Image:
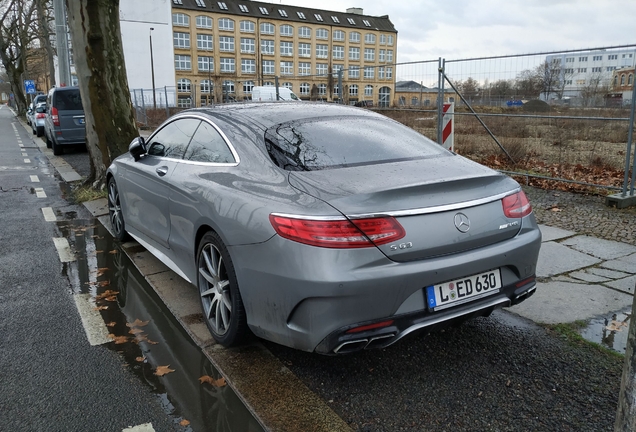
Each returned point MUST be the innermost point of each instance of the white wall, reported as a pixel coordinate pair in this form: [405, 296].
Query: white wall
[136, 18]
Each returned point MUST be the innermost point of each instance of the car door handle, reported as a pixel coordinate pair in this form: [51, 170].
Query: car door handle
[162, 171]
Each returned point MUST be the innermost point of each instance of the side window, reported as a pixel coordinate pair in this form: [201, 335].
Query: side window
[208, 146]
[172, 140]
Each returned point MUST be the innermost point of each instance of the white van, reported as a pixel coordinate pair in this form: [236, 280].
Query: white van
[268, 93]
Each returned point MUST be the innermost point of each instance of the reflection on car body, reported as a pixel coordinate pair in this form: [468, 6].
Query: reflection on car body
[323, 227]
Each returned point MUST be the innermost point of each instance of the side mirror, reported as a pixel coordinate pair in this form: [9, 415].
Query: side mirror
[137, 148]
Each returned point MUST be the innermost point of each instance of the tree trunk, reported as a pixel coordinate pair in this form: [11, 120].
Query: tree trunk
[626, 412]
[45, 38]
[101, 71]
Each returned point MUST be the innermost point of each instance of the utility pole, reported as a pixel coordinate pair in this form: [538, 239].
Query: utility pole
[626, 412]
[61, 36]
[152, 71]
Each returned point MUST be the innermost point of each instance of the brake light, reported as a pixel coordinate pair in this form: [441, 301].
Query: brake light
[370, 327]
[516, 205]
[40, 115]
[340, 233]
[54, 117]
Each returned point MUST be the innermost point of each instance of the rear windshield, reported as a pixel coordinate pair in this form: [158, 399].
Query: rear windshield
[68, 100]
[335, 142]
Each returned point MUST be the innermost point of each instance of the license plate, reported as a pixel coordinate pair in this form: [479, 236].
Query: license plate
[463, 290]
[81, 121]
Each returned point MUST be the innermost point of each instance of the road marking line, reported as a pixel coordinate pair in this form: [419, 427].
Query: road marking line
[21, 145]
[63, 249]
[39, 192]
[27, 161]
[35, 179]
[24, 154]
[49, 215]
[146, 427]
[94, 326]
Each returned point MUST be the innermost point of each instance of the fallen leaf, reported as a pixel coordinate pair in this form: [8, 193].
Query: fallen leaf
[101, 271]
[107, 293]
[118, 339]
[206, 379]
[162, 370]
[140, 359]
[135, 331]
[98, 308]
[184, 422]
[137, 323]
[616, 325]
[103, 283]
[113, 252]
[99, 251]
[111, 324]
[555, 209]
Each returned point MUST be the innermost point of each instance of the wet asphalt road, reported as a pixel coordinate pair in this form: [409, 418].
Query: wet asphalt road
[500, 373]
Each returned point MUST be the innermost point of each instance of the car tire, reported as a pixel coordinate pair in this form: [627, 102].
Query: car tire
[48, 141]
[57, 149]
[115, 214]
[223, 309]
[33, 130]
[38, 132]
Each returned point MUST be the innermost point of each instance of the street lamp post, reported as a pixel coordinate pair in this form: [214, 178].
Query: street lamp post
[152, 70]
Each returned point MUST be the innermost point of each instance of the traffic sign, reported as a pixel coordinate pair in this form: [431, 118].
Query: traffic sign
[29, 85]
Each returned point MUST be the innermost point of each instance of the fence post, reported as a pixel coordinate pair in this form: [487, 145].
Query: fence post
[440, 100]
[630, 137]
[341, 101]
[276, 84]
[165, 89]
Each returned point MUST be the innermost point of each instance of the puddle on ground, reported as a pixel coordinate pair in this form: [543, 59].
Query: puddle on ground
[147, 335]
[610, 331]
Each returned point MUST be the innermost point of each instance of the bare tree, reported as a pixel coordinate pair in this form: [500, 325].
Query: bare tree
[101, 71]
[528, 85]
[594, 89]
[549, 74]
[44, 15]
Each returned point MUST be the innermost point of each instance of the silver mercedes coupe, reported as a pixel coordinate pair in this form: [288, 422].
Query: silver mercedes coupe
[323, 227]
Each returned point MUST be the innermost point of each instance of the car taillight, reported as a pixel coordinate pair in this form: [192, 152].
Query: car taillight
[40, 115]
[54, 117]
[516, 205]
[341, 233]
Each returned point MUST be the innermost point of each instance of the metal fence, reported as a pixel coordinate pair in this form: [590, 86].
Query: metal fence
[552, 116]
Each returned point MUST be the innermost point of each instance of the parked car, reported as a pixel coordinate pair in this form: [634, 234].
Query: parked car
[31, 108]
[64, 122]
[323, 227]
[37, 119]
[268, 93]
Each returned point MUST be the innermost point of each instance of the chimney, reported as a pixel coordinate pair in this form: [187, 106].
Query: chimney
[355, 11]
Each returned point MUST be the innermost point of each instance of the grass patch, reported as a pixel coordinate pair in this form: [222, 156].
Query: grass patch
[87, 193]
[570, 332]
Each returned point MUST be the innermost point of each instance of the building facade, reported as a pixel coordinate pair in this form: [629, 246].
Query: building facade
[415, 95]
[222, 49]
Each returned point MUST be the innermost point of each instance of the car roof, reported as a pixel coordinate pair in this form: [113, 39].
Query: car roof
[272, 113]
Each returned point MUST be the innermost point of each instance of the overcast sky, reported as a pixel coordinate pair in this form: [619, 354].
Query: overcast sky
[428, 29]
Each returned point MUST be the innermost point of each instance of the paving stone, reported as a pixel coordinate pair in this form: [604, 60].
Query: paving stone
[619, 265]
[629, 259]
[555, 259]
[97, 207]
[604, 249]
[549, 233]
[626, 284]
[566, 279]
[588, 277]
[608, 274]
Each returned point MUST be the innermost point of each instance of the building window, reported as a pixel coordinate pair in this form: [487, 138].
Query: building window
[612, 57]
[335, 69]
[568, 82]
[263, 10]
[267, 46]
[248, 86]
[248, 66]
[267, 28]
[184, 85]
[268, 67]
[304, 50]
[569, 59]
[610, 68]
[581, 70]
[354, 37]
[582, 59]
[354, 72]
[384, 97]
[322, 33]
[228, 86]
[204, 22]
[304, 32]
[623, 79]
[226, 24]
[369, 72]
[304, 88]
[268, 84]
[226, 43]
[205, 42]
[414, 100]
[318, 17]
[322, 51]
[244, 8]
[597, 58]
[286, 30]
[597, 69]
[181, 40]
[369, 54]
[353, 90]
[568, 71]
[282, 12]
[381, 56]
[184, 102]
[338, 35]
[205, 63]
[369, 38]
[381, 72]
[335, 19]
[177, 2]
[382, 39]
[321, 69]
[182, 62]
[228, 65]
[354, 53]
[286, 68]
[301, 15]
[338, 52]
[389, 73]
[389, 56]
[615, 81]
[322, 89]
[368, 90]
[222, 5]
[630, 79]
[288, 85]
[351, 21]
[180, 19]
[389, 40]
[206, 87]
[304, 68]
[200, 3]
[248, 45]
[286, 48]
[247, 26]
